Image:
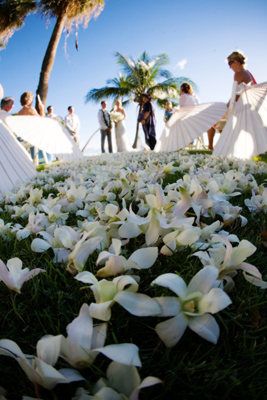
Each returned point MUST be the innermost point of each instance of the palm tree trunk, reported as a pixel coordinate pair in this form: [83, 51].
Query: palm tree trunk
[137, 129]
[49, 59]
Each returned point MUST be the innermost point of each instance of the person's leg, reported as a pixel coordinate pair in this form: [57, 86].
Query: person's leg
[76, 139]
[211, 133]
[103, 136]
[109, 142]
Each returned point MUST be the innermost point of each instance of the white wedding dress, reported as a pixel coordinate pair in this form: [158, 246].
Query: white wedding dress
[245, 133]
[121, 137]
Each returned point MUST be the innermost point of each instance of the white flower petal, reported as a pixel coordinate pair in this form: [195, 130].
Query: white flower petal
[204, 280]
[39, 245]
[124, 353]
[145, 258]
[137, 304]
[171, 331]
[214, 301]
[206, 327]
[173, 282]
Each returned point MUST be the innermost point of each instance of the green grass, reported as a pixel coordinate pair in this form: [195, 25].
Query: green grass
[235, 368]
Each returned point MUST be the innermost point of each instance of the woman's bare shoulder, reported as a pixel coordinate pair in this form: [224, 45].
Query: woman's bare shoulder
[28, 111]
[242, 76]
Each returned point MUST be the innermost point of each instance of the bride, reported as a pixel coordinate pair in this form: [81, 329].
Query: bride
[120, 130]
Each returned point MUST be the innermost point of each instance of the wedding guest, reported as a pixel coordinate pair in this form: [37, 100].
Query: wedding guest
[105, 126]
[148, 120]
[169, 111]
[72, 123]
[188, 97]
[7, 104]
[50, 114]
[26, 100]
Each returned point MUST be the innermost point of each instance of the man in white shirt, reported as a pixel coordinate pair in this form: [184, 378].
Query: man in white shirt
[105, 126]
[7, 104]
[72, 123]
[50, 114]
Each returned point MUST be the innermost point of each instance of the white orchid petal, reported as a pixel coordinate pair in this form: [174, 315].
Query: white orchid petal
[80, 332]
[137, 304]
[169, 306]
[206, 327]
[101, 311]
[48, 349]
[214, 301]
[148, 381]
[87, 277]
[173, 282]
[171, 331]
[129, 230]
[255, 281]
[145, 258]
[124, 378]
[204, 280]
[99, 335]
[39, 245]
[71, 375]
[124, 353]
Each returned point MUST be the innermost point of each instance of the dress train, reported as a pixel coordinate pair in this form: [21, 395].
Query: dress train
[245, 133]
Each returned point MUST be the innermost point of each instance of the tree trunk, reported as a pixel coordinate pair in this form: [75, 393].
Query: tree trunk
[49, 59]
[137, 129]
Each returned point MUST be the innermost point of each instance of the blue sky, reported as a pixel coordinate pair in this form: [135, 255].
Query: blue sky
[201, 32]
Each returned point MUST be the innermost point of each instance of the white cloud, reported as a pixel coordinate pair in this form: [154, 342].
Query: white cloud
[181, 64]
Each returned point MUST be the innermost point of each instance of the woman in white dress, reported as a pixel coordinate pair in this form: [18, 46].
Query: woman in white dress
[120, 130]
[237, 63]
[245, 133]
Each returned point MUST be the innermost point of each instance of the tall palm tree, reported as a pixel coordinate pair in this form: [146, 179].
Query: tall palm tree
[12, 15]
[143, 75]
[67, 14]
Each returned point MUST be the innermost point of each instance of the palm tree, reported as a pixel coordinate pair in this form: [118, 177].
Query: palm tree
[67, 14]
[12, 15]
[141, 76]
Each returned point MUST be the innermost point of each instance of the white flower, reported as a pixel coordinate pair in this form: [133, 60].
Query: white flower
[121, 290]
[84, 343]
[116, 264]
[228, 260]
[14, 276]
[38, 371]
[122, 383]
[192, 307]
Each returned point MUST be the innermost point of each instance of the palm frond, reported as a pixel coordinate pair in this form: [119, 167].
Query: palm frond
[127, 64]
[97, 95]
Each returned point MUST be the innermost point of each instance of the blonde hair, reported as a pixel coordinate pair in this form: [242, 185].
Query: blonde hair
[187, 88]
[26, 97]
[237, 56]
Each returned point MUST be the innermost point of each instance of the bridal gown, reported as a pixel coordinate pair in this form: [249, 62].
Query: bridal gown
[121, 137]
[245, 133]
[187, 124]
[15, 163]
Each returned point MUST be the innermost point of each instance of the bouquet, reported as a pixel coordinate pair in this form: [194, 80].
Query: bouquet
[116, 116]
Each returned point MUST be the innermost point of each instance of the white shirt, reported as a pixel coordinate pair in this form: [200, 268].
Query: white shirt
[101, 120]
[3, 115]
[54, 116]
[72, 123]
[187, 100]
